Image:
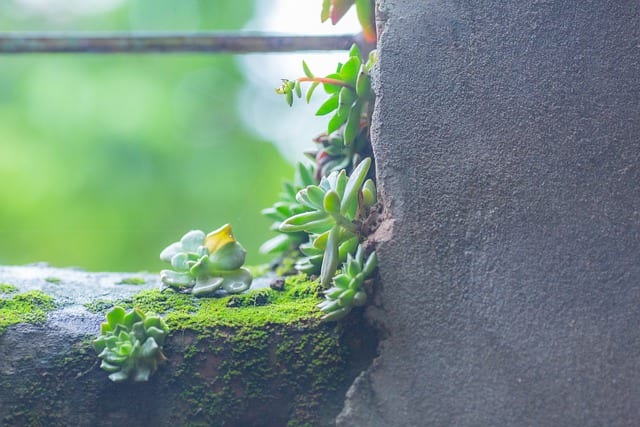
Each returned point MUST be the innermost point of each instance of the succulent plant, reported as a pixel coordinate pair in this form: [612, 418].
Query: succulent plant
[349, 90]
[130, 344]
[331, 153]
[206, 264]
[334, 205]
[284, 208]
[348, 291]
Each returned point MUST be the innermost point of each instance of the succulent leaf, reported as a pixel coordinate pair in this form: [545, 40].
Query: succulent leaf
[201, 267]
[133, 349]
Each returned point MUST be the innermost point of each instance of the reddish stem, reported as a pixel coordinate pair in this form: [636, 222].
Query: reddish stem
[325, 80]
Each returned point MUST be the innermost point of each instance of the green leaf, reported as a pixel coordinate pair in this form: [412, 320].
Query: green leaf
[307, 71]
[360, 298]
[341, 183]
[346, 97]
[335, 123]
[353, 185]
[315, 195]
[332, 202]
[316, 227]
[310, 91]
[355, 51]
[134, 316]
[346, 298]
[336, 314]
[370, 265]
[115, 316]
[342, 281]
[349, 71]
[363, 83]
[306, 174]
[328, 106]
[331, 88]
[369, 194]
[280, 243]
[298, 89]
[288, 96]
[352, 127]
[192, 240]
[330, 259]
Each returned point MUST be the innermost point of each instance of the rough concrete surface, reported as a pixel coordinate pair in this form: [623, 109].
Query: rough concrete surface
[507, 140]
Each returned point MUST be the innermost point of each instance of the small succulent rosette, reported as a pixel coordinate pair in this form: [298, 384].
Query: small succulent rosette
[206, 265]
[348, 286]
[130, 344]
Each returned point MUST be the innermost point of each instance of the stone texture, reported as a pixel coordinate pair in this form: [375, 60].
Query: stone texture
[507, 140]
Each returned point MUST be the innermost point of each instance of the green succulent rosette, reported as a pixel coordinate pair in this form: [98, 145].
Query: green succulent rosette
[348, 290]
[130, 344]
[206, 264]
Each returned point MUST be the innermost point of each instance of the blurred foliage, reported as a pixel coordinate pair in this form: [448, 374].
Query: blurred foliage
[105, 159]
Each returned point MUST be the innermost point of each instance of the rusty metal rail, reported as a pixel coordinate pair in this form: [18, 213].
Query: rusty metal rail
[106, 43]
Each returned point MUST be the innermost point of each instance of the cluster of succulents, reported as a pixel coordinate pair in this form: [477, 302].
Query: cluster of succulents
[348, 290]
[206, 264]
[333, 205]
[130, 344]
[330, 212]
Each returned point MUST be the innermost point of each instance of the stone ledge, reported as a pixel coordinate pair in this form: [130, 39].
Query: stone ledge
[266, 363]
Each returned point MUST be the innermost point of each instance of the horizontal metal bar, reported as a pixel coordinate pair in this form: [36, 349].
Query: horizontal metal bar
[240, 42]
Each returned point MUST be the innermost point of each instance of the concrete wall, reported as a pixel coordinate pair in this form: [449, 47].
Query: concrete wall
[507, 139]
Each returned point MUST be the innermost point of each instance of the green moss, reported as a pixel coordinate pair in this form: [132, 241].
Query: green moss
[54, 280]
[27, 307]
[227, 366]
[132, 281]
[255, 308]
[7, 289]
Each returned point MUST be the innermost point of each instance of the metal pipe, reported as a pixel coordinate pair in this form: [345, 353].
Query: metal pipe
[104, 43]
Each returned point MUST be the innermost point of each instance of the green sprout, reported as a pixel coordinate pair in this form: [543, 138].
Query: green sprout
[206, 264]
[130, 344]
[286, 207]
[335, 205]
[348, 290]
[349, 90]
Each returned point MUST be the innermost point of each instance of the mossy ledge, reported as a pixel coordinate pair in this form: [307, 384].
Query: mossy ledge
[257, 359]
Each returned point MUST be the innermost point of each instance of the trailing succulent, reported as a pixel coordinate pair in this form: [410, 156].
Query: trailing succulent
[130, 344]
[206, 264]
[349, 90]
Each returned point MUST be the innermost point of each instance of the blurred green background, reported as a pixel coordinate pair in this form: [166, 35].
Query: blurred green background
[105, 160]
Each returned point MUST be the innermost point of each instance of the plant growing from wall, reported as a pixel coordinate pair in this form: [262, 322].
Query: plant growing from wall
[130, 344]
[206, 264]
[332, 210]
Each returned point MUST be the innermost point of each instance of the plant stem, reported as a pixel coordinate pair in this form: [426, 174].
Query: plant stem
[325, 80]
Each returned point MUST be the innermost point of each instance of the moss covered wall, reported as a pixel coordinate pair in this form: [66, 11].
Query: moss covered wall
[257, 359]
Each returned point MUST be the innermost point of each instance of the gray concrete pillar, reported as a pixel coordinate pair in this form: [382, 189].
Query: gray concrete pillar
[507, 139]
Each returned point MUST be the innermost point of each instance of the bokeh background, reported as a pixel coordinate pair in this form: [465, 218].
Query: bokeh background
[104, 160]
